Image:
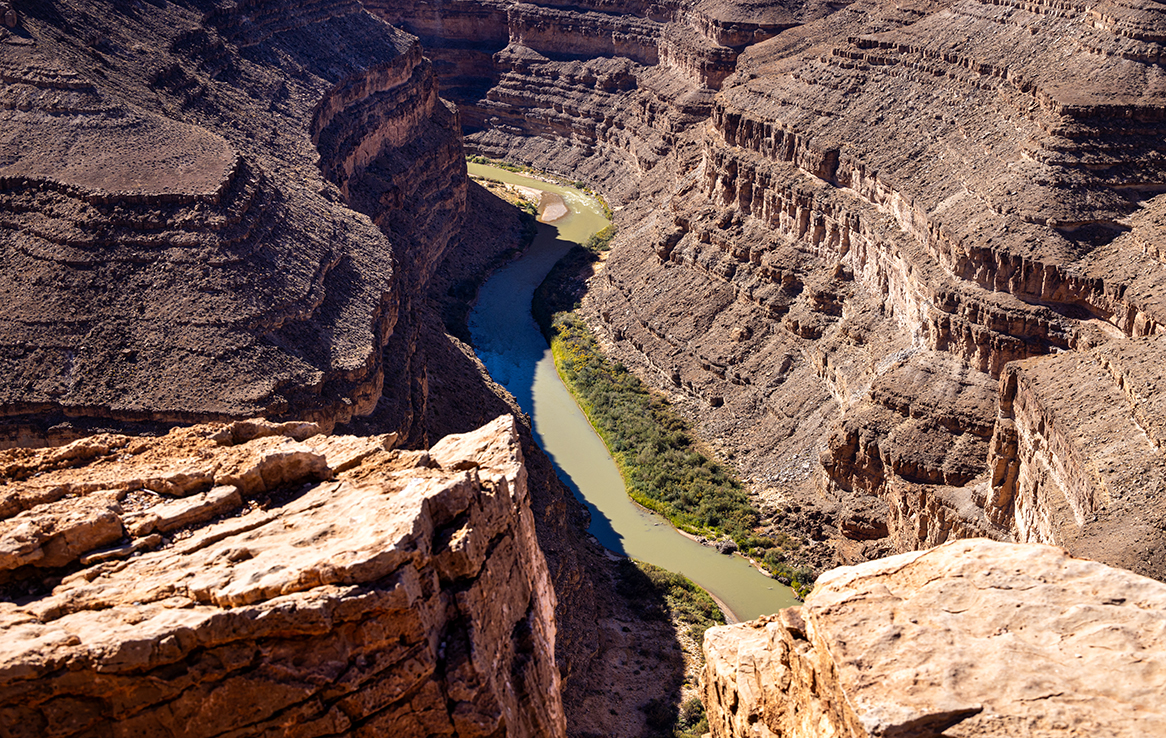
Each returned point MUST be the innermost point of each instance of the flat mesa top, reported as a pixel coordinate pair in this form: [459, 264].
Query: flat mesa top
[117, 155]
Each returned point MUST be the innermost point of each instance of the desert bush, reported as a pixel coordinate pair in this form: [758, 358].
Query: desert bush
[692, 720]
[600, 240]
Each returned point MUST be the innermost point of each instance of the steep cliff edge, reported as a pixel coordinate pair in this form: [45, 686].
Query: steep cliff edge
[175, 192]
[973, 638]
[264, 577]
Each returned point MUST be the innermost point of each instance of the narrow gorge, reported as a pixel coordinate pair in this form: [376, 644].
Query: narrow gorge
[901, 265]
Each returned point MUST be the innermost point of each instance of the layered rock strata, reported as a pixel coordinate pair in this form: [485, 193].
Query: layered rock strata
[249, 578]
[175, 220]
[1079, 455]
[602, 88]
[973, 638]
[294, 240]
[890, 204]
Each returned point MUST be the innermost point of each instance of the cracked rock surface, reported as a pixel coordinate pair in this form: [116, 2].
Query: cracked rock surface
[260, 584]
[973, 638]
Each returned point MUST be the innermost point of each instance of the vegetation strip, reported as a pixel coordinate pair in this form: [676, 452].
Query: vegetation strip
[664, 467]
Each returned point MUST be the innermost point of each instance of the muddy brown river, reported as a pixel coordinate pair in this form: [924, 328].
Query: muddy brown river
[512, 348]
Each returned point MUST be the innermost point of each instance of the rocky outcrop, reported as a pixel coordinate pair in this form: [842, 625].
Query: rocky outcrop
[973, 638]
[176, 194]
[1078, 458]
[255, 577]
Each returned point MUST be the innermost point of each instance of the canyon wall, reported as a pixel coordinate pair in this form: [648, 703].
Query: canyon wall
[214, 210]
[890, 204]
[973, 638]
[598, 89]
[175, 191]
[1077, 460]
[903, 265]
[249, 578]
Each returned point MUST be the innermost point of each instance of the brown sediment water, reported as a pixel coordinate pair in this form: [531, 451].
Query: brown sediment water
[509, 343]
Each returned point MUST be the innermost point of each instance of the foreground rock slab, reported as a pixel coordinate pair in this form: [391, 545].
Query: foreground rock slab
[973, 638]
[259, 579]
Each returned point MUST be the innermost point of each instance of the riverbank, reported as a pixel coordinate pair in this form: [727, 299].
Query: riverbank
[510, 344]
[546, 206]
[664, 467]
[551, 207]
[545, 177]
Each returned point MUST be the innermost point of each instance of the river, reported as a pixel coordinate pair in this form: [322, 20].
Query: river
[508, 342]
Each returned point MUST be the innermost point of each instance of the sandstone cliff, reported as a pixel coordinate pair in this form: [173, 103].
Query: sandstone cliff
[1077, 459]
[253, 578]
[973, 638]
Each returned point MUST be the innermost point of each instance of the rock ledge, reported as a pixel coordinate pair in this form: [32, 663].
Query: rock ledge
[258, 579]
[973, 638]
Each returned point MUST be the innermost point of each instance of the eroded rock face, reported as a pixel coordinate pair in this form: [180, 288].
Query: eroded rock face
[292, 582]
[890, 204]
[1078, 458]
[974, 638]
[597, 88]
[177, 223]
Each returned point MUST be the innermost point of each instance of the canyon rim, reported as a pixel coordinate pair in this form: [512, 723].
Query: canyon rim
[902, 265]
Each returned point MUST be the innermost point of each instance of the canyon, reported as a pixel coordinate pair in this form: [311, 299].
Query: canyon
[834, 243]
[216, 211]
[901, 264]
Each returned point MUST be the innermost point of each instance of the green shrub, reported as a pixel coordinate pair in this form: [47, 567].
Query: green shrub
[601, 240]
[652, 590]
[692, 720]
[662, 466]
[774, 558]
